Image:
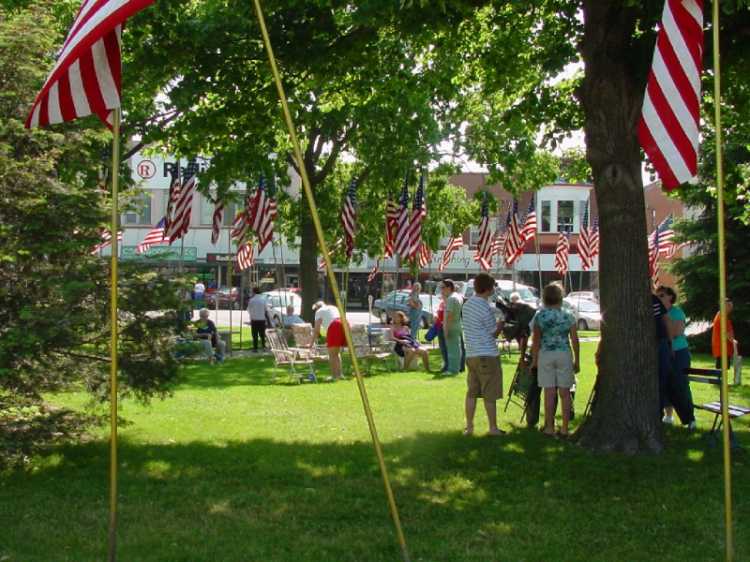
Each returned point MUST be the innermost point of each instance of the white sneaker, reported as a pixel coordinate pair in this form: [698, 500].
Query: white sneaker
[669, 420]
[692, 426]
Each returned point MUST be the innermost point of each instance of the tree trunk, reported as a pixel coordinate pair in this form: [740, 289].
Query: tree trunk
[308, 262]
[626, 414]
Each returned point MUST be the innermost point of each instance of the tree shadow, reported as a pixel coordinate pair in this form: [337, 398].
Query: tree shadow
[519, 497]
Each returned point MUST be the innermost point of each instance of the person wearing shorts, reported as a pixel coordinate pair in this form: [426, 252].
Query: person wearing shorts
[554, 330]
[485, 377]
[327, 318]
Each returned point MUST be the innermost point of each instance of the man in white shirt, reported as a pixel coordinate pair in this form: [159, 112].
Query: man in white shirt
[327, 318]
[485, 377]
[258, 309]
[199, 291]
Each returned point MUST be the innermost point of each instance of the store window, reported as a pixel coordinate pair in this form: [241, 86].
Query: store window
[140, 213]
[207, 212]
[565, 214]
[546, 216]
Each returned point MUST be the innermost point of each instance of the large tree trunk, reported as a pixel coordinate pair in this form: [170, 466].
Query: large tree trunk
[308, 263]
[626, 415]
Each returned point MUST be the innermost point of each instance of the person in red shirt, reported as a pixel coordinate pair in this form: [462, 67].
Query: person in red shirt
[716, 336]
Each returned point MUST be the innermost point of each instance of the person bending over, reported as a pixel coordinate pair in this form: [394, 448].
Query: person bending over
[327, 318]
[554, 330]
[407, 345]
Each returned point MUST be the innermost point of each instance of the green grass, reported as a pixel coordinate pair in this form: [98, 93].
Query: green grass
[235, 467]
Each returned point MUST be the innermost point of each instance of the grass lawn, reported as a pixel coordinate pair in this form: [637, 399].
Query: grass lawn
[236, 467]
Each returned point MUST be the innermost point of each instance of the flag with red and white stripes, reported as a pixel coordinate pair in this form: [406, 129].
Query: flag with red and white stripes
[594, 237]
[156, 236]
[392, 212]
[425, 255]
[454, 244]
[514, 241]
[483, 253]
[245, 256]
[374, 272]
[669, 126]
[217, 219]
[562, 251]
[663, 238]
[106, 241]
[179, 222]
[418, 213]
[498, 243]
[349, 217]
[172, 198]
[86, 78]
[402, 240]
[528, 232]
[585, 250]
[262, 215]
[241, 224]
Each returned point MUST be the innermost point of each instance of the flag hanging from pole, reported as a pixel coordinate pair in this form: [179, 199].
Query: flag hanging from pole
[349, 217]
[419, 211]
[498, 244]
[245, 256]
[425, 255]
[392, 212]
[663, 238]
[241, 223]
[156, 236]
[402, 241]
[374, 272]
[179, 224]
[106, 241]
[562, 251]
[514, 241]
[669, 126]
[217, 219]
[483, 254]
[86, 77]
[262, 214]
[528, 232]
[594, 237]
[585, 250]
[454, 244]
[173, 197]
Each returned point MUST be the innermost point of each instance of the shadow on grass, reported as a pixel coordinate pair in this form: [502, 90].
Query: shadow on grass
[519, 497]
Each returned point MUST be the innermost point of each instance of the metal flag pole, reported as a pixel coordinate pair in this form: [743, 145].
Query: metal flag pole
[113, 339]
[334, 286]
[728, 523]
[230, 279]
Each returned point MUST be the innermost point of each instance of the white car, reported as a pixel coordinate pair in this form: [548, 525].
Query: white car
[587, 313]
[279, 300]
[583, 295]
[503, 288]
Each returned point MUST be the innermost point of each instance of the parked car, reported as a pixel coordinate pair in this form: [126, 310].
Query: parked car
[587, 313]
[503, 288]
[278, 301]
[384, 307]
[585, 295]
[228, 298]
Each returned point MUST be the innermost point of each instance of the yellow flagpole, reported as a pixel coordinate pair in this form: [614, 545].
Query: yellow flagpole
[332, 279]
[728, 523]
[113, 341]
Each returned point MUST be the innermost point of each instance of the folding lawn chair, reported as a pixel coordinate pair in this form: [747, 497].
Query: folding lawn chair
[524, 391]
[290, 357]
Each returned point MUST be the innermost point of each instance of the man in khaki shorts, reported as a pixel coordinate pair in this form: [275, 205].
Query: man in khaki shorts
[485, 378]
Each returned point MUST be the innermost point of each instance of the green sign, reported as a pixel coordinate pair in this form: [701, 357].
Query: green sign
[161, 253]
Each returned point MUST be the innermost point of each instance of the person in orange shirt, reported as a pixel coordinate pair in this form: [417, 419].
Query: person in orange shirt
[716, 336]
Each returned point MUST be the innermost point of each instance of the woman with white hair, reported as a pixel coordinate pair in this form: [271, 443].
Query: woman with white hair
[327, 318]
[415, 309]
[206, 333]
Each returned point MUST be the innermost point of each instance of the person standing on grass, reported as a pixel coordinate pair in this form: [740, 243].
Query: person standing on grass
[258, 309]
[327, 318]
[716, 335]
[554, 331]
[452, 327]
[415, 310]
[485, 377]
[679, 385]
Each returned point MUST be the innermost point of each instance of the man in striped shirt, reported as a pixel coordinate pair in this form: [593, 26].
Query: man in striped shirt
[485, 378]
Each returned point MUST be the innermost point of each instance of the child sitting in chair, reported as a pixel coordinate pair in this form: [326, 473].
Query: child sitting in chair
[407, 346]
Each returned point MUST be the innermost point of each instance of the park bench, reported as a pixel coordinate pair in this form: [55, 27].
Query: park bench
[290, 357]
[713, 377]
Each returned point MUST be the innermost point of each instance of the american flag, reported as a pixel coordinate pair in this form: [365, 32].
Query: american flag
[245, 256]
[454, 244]
[216, 221]
[594, 237]
[349, 217]
[528, 232]
[653, 259]
[514, 241]
[106, 241]
[483, 254]
[669, 125]
[391, 224]
[155, 236]
[584, 241]
[418, 213]
[374, 272]
[498, 244]
[241, 223]
[402, 240]
[174, 196]
[425, 255]
[662, 238]
[179, 223]
[561, 253]
[86, 77]
[263, 214]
